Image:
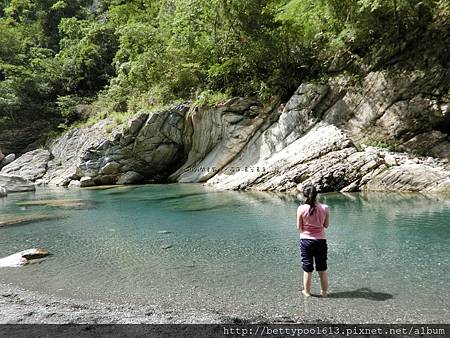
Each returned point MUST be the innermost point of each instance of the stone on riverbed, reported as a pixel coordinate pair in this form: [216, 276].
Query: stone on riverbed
[17, 219]
[15, 184]
[23, 257]
[56, 203]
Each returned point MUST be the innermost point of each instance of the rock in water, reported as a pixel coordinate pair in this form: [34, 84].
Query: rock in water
[15, 184]
[86, 182]
[74, 183]
[23, 257]
[130, 177]
[3, 192]
[17, 219]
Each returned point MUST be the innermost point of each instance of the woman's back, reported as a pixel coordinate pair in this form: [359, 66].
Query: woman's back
[314, 224]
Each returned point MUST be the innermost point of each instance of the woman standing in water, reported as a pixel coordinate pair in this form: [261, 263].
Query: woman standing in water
[312, 220]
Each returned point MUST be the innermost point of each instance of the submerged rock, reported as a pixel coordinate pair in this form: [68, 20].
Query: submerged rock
[23, 257]
[18, 219]
[56, 203]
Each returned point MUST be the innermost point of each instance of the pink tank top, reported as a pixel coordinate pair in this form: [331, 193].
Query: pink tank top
[314, 225]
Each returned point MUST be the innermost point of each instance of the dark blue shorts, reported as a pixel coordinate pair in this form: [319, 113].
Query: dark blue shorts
[313, 251]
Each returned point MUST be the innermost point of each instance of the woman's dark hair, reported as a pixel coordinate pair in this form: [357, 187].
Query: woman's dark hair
[310, 193]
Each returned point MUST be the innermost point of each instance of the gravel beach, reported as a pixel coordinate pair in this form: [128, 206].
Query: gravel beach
[18, 306]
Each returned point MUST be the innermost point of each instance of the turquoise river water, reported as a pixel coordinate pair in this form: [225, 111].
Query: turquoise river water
[186, 246]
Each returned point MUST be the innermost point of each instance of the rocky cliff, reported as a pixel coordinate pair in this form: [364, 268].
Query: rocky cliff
[385, 131]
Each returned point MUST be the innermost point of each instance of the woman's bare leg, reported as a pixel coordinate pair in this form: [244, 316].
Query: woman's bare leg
[323, 283]
[307, 277]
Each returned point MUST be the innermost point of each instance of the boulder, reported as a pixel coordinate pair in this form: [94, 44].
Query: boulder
[30, 166]
[8, 159]
[3, 192]
[130, 177]
[110, 168]
[86, 182]
[23, 257]
[74, 184]
[15, 184]
[105, 180]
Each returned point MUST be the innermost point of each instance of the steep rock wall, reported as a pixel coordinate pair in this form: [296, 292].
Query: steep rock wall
[324, 135]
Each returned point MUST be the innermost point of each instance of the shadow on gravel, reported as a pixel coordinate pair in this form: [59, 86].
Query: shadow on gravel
[365, 293]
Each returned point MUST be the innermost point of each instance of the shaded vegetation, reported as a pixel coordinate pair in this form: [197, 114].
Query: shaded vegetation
[67, 60]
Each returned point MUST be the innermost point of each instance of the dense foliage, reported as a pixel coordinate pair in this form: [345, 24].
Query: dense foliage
[66, 59]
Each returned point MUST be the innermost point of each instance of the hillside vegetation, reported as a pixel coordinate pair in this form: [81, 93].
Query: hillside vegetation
[66, 61]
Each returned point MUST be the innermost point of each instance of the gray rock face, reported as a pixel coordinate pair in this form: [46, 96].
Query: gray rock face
[215, 136]
[322, 136]
[15, 184]
[387, 108]
[408, 177]
[30, 166]
[150, 145]
[406, 109]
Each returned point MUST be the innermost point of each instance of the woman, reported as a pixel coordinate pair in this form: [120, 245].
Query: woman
[312, 220]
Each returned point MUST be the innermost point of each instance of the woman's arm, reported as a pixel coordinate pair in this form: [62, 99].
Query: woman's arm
[326, 223]
[299, 219]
